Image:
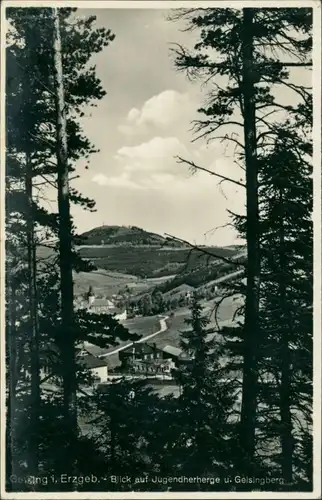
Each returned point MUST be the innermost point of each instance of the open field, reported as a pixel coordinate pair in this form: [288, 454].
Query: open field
[177, 323]
[107, 283]
[104, 283]
[147, 325]
[226, 309]
[142, 326]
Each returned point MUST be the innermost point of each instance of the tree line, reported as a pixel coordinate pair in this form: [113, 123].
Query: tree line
[245, 401]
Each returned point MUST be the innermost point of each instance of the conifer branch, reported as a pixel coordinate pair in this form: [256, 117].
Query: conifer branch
[205, 251]
[195, 167]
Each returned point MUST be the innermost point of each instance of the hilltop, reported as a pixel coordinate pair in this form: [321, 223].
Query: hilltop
[134, 251]
[124, 235]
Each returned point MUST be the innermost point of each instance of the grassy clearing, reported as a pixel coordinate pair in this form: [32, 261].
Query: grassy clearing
[143, 326]
[105, 283]
[177, 323]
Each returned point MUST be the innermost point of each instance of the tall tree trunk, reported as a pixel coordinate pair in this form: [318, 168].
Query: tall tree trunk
[285, 359]
[251, 328]
[34, 338]
[67, 334]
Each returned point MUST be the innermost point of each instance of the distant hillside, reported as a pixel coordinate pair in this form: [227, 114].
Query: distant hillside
[124, 235]
[138, 256]
[199, 276]
[154, 262]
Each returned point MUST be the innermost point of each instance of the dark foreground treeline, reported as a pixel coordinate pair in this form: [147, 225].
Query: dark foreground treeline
[245, 401]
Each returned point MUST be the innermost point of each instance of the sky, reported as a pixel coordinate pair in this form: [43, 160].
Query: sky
[142, 123]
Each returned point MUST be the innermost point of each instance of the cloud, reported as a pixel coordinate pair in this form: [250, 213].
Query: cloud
[157, 148]
[134, 115]
[155, 155]
[125, 129]
[161, 111]
[123, 181]
[149, 165]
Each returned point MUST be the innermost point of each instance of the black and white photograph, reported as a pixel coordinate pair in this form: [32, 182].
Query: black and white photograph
[160, 249]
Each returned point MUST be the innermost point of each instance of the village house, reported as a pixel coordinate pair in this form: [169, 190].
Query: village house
[146, 351]
[104, 306]
[139, 351]
[144, 358]
[177, 355]
[171, 352]
[101, 306]
[153, 366]
[98, 367]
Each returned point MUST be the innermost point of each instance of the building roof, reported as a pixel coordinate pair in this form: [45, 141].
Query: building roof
[92, 362]
[94, 350]
[174, 351]
[97, 302]
[109, 310]
[112, 310]
[154, 347]
[113, 361]
[141, 347]
[104, 302]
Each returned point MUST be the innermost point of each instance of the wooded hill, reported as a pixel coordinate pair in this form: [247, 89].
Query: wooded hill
[124, 235]
[127, 250]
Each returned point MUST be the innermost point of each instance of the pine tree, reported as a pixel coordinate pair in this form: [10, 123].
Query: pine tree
[123, 419]
[206, 400]
[252, 325]
[19, 153]
[67, 342]
[158, 305]
[145, 305]
[287, 299]
[35, 121]
[224, 51]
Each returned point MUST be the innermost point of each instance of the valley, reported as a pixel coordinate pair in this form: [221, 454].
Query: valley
[130, 276]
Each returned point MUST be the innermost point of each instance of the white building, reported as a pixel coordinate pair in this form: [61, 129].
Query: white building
[101, 306]
[98, 367]
[122, 316]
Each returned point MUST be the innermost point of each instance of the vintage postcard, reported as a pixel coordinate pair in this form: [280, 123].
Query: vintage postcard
[161, 249]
